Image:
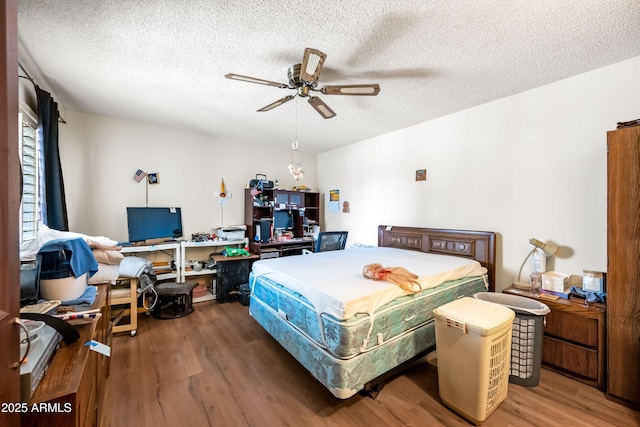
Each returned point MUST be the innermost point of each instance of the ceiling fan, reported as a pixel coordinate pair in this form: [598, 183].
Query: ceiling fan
[304, 79]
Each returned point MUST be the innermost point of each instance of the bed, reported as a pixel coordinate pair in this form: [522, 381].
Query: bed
[351, 333]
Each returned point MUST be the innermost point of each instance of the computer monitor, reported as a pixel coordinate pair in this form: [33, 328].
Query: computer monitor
[282, 220]
[154, 223]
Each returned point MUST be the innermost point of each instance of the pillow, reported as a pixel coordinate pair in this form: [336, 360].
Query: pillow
[107, 273]
[105, 256]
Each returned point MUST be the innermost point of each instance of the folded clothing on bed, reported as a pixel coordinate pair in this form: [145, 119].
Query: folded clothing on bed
[108, 256]
[140, 268]
[107, 273]
[133, 266]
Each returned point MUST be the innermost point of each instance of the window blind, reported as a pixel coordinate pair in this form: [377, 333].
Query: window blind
[29, 159]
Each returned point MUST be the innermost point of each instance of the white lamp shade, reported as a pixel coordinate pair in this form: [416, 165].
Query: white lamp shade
[550, 249]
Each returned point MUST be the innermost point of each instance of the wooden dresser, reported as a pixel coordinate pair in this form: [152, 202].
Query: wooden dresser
[574, 341]
[71, 392]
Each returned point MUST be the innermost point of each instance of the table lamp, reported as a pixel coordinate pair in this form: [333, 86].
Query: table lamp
[548, 248]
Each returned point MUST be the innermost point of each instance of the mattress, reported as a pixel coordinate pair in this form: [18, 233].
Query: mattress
[333, 281]
[348, 330]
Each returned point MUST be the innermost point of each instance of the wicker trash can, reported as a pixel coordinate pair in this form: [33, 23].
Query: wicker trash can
[526, 342]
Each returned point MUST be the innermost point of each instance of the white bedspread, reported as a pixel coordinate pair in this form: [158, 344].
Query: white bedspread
[333, 281]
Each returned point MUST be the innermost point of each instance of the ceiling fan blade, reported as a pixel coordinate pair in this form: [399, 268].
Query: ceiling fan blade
[361, 90]
[321, 107]
[255, 80]
[311, 64]
[278, 103]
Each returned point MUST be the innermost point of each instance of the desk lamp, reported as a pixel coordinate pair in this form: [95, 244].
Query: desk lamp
[548, 248]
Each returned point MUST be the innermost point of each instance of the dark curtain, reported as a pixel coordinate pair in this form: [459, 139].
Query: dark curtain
[54, 203]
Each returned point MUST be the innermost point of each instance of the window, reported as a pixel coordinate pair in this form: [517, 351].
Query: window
[30, 151]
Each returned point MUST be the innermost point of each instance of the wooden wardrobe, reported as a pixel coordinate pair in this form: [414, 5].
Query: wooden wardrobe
[623, 271]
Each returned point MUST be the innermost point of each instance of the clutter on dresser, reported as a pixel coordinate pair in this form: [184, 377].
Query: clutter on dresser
[628, 124]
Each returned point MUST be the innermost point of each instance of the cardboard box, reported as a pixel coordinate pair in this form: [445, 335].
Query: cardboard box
[554, 281]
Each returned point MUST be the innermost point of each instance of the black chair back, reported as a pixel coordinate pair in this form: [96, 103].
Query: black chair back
[331, 241]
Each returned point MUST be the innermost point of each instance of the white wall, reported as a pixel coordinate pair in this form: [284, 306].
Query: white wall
[101, 154]
[530, 165]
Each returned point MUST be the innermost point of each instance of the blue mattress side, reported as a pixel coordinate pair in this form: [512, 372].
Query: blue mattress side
[347, 338]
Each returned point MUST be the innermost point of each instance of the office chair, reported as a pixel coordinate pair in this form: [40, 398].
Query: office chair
[331, 241]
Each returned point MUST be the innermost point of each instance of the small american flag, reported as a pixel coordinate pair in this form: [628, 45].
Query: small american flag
[139, 175]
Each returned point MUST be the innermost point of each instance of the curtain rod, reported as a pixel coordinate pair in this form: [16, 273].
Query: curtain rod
[28, 77]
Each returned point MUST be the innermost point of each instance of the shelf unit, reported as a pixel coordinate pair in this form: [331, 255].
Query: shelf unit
[262, 212]
[201, 251]
[282, 248]
[163, 252]
[192, 248]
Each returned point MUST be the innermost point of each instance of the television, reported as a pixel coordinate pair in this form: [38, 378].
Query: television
[154, 223]
[282, 220]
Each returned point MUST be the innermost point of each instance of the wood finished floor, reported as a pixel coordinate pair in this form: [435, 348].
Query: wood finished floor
[218, 367]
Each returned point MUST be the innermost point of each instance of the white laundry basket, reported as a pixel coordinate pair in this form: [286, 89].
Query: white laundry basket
[473, 343]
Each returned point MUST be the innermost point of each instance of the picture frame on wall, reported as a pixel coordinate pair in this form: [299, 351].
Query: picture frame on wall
[421, 175]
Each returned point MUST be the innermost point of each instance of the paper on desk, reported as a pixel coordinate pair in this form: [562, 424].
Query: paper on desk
[99, 347]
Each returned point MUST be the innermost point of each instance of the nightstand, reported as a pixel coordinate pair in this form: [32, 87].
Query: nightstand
[574, 338]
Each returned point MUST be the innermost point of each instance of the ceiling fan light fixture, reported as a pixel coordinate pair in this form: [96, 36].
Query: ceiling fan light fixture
[312, 64]
[295, 165]
[321, 107]
[303, 78]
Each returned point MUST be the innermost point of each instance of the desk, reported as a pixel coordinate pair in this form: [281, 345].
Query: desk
[282, 248]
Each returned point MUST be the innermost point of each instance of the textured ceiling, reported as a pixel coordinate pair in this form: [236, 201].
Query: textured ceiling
[164, 61]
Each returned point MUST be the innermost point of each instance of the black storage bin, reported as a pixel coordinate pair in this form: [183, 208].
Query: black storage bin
[231, 274]
[244, 294]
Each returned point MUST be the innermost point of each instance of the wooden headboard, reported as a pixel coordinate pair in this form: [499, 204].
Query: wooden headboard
[478, 245]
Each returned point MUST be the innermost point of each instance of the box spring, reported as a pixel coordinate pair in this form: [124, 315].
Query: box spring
[337, 352]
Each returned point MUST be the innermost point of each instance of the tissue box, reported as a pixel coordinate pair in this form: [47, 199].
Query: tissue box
[554, 281]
